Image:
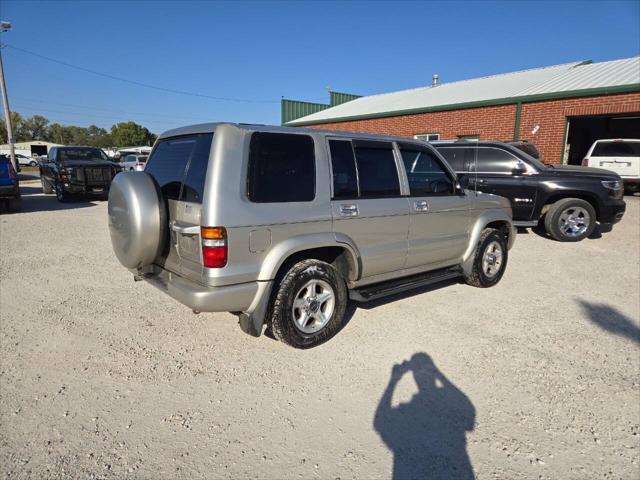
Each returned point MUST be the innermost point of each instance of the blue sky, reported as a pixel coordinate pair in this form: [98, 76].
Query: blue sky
[261, 51]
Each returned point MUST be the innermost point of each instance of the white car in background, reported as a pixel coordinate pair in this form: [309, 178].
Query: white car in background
[25, 161]
[133, 163]
[621, 155]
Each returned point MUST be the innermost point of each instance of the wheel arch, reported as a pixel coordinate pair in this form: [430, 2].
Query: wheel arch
[488, 219]
[587, 197]
[339, 252]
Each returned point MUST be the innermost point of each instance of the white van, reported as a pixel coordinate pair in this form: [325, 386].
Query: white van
[621, 155]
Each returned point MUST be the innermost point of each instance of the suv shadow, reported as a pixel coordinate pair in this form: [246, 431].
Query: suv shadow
[33, 200]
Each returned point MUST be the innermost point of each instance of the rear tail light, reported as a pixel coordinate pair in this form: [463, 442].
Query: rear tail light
[214, 246]
[585, 162]
[12, 172]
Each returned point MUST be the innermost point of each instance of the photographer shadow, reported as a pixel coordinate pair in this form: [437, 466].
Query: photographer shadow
[428, 434]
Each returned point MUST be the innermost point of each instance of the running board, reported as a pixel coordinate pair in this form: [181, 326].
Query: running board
[526, 223]
[393, 287]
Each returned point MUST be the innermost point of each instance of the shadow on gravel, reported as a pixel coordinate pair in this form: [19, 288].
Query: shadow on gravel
[611, 320]
[33, 200]
[541, 232]
[428, 434]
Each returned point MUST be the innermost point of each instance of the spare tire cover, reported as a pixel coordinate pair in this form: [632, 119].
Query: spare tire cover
[137, 219]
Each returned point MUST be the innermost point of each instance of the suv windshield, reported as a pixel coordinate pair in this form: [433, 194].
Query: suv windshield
[80, 153]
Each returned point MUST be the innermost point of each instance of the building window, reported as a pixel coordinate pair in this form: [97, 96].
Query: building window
[469, 137]
[428, 137]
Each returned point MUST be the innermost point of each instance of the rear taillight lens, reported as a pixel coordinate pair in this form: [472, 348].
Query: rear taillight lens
[585, 162]
[214, 246]
[12, 172]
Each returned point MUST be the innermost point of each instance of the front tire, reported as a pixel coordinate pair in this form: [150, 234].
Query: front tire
[61, 195]
[570, 220]
[309, 304]
[490, 259]
[46, 186]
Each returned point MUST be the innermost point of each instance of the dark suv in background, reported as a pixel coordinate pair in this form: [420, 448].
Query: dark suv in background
[569, 199]
[71, 171]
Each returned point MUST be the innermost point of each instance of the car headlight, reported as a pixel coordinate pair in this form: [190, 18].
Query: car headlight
[612, 184]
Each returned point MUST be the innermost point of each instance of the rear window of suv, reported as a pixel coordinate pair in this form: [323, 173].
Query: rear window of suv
[282, 168]
[179, 165]
[616, 149]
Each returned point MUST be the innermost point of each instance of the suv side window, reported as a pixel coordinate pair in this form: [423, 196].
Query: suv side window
[426, 174]
[169, 160]
[343, 166]
[495, 160]
[193, 186]
[282, 168]
[377, 171]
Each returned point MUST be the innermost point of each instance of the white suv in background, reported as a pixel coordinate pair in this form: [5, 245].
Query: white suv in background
[620, 155]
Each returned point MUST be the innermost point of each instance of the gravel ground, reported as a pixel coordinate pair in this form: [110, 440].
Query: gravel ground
[102, 377]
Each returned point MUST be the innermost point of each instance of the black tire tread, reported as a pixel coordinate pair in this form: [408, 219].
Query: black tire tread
[278, 315]
[475, 279]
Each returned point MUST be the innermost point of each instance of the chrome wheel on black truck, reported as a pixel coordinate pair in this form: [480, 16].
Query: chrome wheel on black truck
[570, 220]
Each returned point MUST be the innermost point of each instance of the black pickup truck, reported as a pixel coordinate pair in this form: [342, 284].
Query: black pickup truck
[569, 199]
[72, 171]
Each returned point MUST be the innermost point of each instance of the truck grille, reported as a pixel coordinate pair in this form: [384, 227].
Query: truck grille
[97, 175]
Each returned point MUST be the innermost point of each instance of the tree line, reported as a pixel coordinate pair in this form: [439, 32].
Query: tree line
[38, 127]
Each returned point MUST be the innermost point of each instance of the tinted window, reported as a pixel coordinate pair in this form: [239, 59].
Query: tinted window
[494, 160]
[617, 149]
[281, 168]
[377, 170]
[425, 173]
[79, 153]
[343, 165]
[193, 188]
[459, 158]
[169, 160]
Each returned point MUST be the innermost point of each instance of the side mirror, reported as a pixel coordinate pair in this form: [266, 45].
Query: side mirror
[519, 168]
[463, 181]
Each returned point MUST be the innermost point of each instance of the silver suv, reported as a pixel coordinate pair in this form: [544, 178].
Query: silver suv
[283, 226]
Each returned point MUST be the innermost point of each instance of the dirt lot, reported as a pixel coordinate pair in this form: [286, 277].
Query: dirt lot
[102, 377]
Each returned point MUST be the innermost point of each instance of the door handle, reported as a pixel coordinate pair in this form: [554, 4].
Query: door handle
[185, 229]
[421, 206]
[349, 210]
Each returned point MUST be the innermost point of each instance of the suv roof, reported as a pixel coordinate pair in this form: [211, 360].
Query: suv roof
[211, 127]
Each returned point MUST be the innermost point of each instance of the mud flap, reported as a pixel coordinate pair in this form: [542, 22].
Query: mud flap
[251, 322]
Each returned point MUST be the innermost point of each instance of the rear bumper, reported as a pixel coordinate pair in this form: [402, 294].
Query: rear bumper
[9, 191]
[229, 298]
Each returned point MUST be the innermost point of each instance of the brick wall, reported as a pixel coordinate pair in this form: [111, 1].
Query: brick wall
[498, 122]
[551, 116]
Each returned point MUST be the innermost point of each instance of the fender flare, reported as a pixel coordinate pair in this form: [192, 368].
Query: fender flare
[283, 250]
[484, 219]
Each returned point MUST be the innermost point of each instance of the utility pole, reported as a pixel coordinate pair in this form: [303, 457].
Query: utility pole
[5, 27]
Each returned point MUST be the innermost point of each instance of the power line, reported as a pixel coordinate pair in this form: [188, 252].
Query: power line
[123, 112]
[118, 116]
[140, 84]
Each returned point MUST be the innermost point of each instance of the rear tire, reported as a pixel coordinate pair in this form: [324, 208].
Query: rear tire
[33, 163]
[309, 304]
[46, 186]
[570, 220]
[490, 259]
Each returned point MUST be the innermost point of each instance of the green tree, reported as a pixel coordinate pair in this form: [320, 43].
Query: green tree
[98, 137]
[130, 133]
[59, 134]
[17, 123]
[36, 128]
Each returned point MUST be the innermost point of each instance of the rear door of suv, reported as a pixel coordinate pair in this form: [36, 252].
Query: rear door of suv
[367, 204]
[179, 165]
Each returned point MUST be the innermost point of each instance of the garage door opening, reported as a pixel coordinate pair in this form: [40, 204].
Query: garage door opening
[583, 131]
